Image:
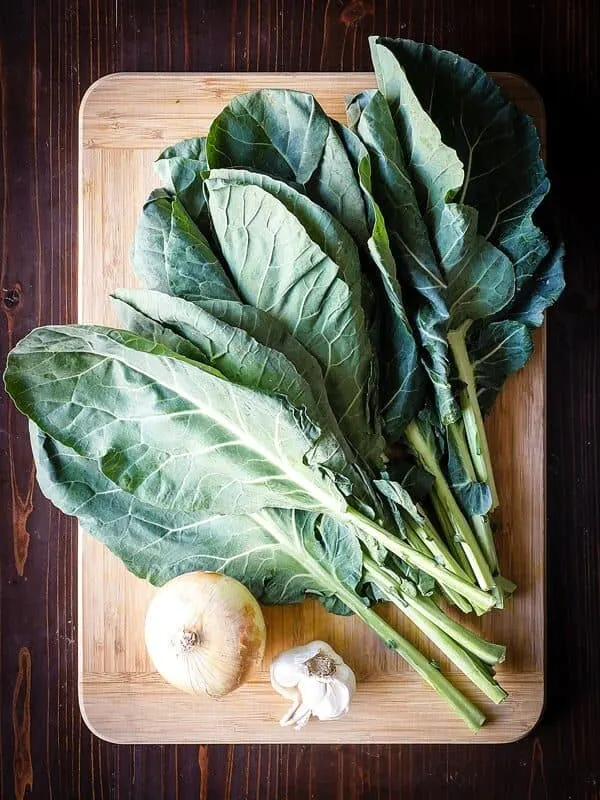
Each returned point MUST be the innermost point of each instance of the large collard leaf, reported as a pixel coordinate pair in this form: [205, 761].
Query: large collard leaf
[275, 131]
[252, 348]
[401, 374]
[334, 186]
[505, 180]
[170, 253]
[505, 177]
[435, 169]
[322, 227]
[371, 118]
[436, 174]
[496, 350]
[287, 135]
[158, 545]
[181, 169]
[474, 279]
[277, 267]
[172, 432]
[170, 257]
[478, 278]
[240, 357]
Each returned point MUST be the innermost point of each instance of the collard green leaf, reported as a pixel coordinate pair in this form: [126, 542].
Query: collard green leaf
[181, 169]
[253, 348]
[240, 357]
[274, 131]
[434, 167]
[401, 375]
[277, 267]
[480, 278]
[505, 177]
[172, 432]
[496, 350]
[158, 545]
[322, 227]
[170, 253]
[287, 135]
[474, 278]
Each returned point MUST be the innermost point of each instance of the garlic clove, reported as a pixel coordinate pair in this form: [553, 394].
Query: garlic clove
[336, 701]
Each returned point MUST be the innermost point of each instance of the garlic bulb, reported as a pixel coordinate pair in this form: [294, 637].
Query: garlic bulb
[317, 681]
[205, 632]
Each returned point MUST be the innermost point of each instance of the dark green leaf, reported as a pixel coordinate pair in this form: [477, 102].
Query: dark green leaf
[173, 432]
[275, 131]
[496, 350]
[505, 177]
[181, 169]
[171, 255]
[401, 374]
[277, 267]
[158, 545]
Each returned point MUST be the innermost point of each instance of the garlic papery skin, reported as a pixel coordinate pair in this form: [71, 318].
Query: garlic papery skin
[316, 679]
[205, 633]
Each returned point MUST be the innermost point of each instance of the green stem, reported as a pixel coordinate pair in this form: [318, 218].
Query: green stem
[472, 668]
[435, 544]
[450, 533]
[461, 527]
[479, 523]
[471, 411]
[466, 710]
[451, 596]
[476, 596]
[488, 652]
[485, 537]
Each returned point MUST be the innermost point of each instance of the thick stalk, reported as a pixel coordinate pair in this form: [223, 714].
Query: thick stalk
[477, 597]
[450, 534]
[479, 523]
[489, 652]
[466, 710]
[473, 669]
[420, 545]
[471, 412]
[434, 544]
[461, 527]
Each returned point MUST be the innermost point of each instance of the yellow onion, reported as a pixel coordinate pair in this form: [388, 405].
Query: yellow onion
[205, 633]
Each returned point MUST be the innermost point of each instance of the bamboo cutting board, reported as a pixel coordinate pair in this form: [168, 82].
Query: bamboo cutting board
[125, 121]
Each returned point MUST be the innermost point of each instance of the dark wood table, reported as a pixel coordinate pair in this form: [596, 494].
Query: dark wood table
[50, 52]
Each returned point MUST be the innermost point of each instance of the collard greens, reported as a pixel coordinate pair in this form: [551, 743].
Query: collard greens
[326, 312]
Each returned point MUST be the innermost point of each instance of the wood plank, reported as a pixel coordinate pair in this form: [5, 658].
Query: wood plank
[125, 120]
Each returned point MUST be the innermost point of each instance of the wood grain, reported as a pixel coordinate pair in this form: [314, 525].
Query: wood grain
[50, 53]
[125, 121]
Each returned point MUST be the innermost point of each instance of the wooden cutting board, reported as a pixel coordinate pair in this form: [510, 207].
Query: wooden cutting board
[125, 121]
